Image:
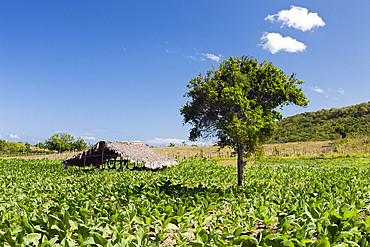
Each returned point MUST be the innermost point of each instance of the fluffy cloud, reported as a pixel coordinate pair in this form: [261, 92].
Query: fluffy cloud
[317, 89]
[274, 42]
[297, 17]
[11, 136]
[341, 91]
[213, 57]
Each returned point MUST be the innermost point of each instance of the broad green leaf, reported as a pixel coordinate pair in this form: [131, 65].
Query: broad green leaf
[98, 239]
[32, 238]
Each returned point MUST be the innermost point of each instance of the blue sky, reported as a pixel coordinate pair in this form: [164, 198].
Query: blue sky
[118, 70]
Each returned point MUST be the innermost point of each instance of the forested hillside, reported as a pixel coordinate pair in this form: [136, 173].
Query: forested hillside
[322, 125]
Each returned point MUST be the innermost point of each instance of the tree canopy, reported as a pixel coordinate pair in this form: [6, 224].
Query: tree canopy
[62, 142]
[322, 125]
[237, 104]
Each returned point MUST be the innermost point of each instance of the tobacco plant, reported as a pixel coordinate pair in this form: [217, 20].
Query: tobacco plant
[192, 204]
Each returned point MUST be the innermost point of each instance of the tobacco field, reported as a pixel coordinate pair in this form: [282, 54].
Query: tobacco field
[193, 204]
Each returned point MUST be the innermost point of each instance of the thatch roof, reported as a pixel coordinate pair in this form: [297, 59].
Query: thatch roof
[124, 150]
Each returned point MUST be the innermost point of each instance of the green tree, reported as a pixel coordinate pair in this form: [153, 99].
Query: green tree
[60, 142]
[3, 144]
[40, 145]
[237, 103]
[28, 147]
[79, 145]
[15, 147]
[342, 130]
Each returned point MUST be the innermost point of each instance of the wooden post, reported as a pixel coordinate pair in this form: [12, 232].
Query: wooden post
[241, 164]
[102, 155]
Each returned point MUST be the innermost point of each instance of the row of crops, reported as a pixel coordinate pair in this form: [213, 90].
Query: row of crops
[192, 204]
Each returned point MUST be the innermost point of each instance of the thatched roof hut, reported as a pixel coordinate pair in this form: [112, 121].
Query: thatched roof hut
[133, 151]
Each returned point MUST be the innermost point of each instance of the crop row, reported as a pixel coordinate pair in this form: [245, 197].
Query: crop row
[193, 204]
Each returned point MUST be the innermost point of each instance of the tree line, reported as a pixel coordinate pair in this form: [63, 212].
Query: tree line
[59, 142]
[323, 125]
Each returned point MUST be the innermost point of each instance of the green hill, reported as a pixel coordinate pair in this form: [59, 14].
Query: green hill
[320, 125]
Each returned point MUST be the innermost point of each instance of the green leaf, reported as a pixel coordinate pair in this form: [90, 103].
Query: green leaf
[322, 241]
[250, 242]
[89, 241]
[46, 244]
[349, 214]
[32, 238]
[180, 211]
[196, 243]
[288, 243]
[352, 243]
[83, 230]
[367, 221]
[26, 224]
[26, 208]
[333, 229]
[8, 239]
[66, 217]
[98, 239]
[238, 231]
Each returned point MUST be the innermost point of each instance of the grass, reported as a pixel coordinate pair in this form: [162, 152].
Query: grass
[344, 148]
[338, 161]
[55, 156]
[354, 147]
[193, 152]
[323, 163]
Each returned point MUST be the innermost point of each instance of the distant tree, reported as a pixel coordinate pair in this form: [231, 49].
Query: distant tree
[15, 147]
[3, 144]
[28, 147]
[60, 142]
[171, 144]
[237, 103]
[40, 145]
[342, 130]
[79, 145]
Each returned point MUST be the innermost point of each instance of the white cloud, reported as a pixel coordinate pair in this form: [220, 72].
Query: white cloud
[317, 89]
[169, 51]
[341, 91]
[177, 142]
[328, 93]
[192, 57]
[204, 56]
[164, 141]
[213, 57]
[274, 42]
[11, 136]
[88, 138]
[297, 17]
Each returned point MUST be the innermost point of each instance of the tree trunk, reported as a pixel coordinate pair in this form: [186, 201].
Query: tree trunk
[241, 164]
